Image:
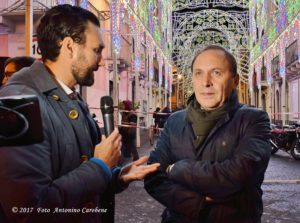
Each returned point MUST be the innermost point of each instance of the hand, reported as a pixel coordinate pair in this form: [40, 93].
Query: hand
[109, 150]
[135, 171]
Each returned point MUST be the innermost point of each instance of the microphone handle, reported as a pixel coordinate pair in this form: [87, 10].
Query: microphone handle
[108, 120]
[108, 200]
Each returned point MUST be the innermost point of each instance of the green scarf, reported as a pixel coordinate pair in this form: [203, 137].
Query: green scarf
[203, 121]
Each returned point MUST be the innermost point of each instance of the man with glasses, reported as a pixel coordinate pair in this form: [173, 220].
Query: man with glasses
[15, 64]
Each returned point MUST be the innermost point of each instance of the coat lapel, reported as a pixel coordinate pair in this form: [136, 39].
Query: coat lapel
[74, 118]
[218, 125]
[70, 113]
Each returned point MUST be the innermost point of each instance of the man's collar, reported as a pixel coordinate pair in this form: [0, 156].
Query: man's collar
[65, 87]
[44, 80]
[41, 77]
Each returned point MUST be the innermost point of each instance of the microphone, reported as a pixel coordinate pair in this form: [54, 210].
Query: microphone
[108, 200]
[107, 109]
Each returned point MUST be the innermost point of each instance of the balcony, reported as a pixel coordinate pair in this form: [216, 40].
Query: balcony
[264, 76]
[292, 62]
[122, 65]
[291, 53]
[13, 11]
[275, 68]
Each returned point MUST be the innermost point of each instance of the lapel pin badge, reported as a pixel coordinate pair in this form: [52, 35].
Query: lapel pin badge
[73, 114]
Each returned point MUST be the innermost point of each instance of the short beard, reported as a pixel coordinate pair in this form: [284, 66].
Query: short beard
[83, 80]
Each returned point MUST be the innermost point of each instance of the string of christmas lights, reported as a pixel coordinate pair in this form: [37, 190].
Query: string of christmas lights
[84, 4]
[160, 65]
[132, 10]
[288, 36]
[115, 13]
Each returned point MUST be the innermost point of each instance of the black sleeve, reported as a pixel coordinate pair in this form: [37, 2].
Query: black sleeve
[174, 196]
[132, 118]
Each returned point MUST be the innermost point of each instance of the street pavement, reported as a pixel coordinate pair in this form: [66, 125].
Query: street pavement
[281, 194]
[282, 190]
[135, 204]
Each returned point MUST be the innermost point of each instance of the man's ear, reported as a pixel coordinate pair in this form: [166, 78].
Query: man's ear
[67, 46]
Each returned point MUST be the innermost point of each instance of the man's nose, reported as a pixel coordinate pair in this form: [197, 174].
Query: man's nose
[206, 80]
[101, 62]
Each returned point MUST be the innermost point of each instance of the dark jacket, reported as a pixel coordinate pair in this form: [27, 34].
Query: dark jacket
[51, 174]
[129, 135]
[228, 167]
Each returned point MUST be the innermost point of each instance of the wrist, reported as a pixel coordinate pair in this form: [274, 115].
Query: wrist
[102, 164]
[106, 161]
[124, 179]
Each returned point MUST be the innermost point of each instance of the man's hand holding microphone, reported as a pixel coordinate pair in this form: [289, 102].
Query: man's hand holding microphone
[109, 150]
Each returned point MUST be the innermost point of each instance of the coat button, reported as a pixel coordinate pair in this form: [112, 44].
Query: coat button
[73, 114]
[55, 97]
[224, 143]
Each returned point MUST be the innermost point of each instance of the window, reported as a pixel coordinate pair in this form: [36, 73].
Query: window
[275, 65]
[291, 53]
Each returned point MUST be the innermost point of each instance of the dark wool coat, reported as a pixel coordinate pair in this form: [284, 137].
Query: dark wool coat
[228, 167]
[51, 174]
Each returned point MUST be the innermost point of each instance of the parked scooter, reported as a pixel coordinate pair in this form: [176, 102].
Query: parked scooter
[286, 139]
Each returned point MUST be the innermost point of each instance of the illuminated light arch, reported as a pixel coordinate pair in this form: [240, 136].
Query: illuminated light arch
[229, 24]
[191, 4]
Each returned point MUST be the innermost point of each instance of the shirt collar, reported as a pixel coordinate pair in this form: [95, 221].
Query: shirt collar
[65, 87]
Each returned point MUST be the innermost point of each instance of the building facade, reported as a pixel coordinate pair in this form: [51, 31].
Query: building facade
[275, 58]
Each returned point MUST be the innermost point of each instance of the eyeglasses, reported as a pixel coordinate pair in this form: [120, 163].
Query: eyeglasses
[8, 74]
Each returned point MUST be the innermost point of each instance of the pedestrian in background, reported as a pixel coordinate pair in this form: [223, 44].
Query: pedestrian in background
[128, 118]
[14, 64]
[156, 118]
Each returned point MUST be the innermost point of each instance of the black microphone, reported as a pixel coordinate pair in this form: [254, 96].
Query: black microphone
[107, 109]
[108, 200]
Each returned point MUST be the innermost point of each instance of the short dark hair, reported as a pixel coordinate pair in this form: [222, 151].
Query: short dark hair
[59, 22]
[230, 58]
[20, 62]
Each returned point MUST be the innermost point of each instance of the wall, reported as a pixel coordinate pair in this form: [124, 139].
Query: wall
[294, 97]
[3, 45]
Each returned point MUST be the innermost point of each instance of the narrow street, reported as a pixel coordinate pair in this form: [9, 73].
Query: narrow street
[281, 194]
[282, 189]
